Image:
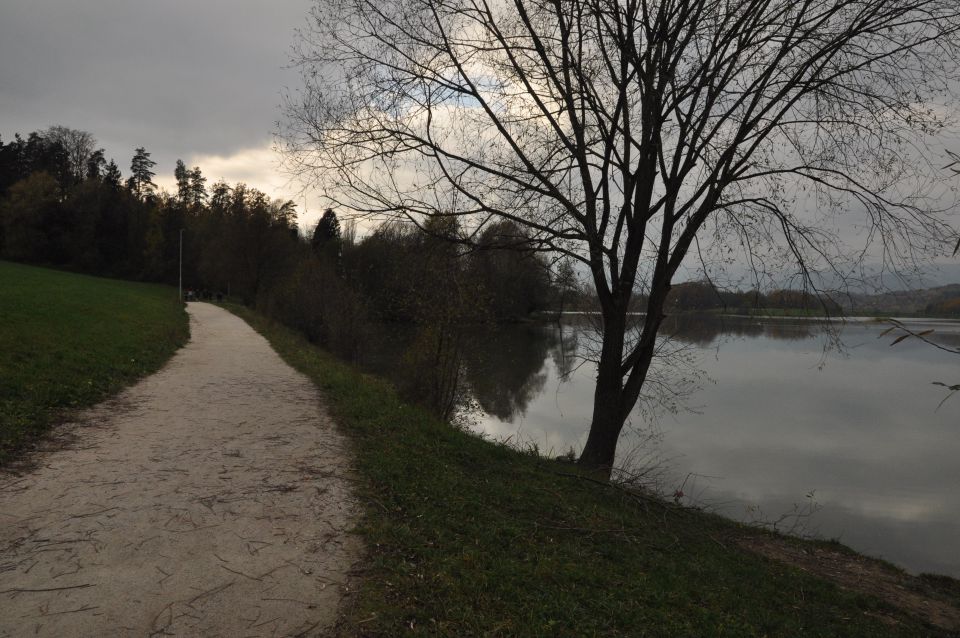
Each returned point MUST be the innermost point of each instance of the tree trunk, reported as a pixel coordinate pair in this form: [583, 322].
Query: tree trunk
[598, 453]
[614, 398]
[608, 418]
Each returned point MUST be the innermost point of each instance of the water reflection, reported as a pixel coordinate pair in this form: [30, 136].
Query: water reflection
[504, 366]
[705, 329]
[780, 417]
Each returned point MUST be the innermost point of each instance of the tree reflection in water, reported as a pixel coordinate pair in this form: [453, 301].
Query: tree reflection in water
[504, 366]
[704, 330]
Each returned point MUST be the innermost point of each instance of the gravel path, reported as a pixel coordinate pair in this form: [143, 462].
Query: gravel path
[210, 499]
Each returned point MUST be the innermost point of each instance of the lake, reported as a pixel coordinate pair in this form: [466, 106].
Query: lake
[774, 424]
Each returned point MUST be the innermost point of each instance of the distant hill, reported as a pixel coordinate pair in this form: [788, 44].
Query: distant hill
[942, 300]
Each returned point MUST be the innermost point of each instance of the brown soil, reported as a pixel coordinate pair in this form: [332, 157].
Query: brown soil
[211, 499]
[912, 594]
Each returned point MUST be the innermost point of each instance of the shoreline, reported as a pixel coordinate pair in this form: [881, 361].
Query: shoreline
[426, 484]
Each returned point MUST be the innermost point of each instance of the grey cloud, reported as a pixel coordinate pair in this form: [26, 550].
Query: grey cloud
[176, 76]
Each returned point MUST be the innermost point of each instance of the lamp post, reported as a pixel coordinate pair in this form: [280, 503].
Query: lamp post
[180, 285]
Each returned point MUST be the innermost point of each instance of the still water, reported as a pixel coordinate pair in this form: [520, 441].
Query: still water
[778, 421]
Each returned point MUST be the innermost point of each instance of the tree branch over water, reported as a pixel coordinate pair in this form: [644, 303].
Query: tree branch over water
[622, 133]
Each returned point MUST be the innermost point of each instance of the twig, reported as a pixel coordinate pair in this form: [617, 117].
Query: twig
[307, 630]
[153, 623]
[18, 590]
[73, 611]
[267, 622]
[93, 513]
[210, 592]
[922, 336]
[239, 573]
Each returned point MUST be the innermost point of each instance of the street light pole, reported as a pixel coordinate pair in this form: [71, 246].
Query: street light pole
[180, 286]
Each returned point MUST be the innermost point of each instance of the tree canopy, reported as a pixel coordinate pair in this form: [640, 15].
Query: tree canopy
[633, 135]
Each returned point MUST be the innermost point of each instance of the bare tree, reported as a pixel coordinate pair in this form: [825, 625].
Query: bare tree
[79, 146]
[630, 134]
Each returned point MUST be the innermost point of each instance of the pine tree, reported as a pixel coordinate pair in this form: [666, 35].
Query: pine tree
[326, 242]
[182, 175]
[196, 190]
[111, 175]
[141, 177]
[327, 230]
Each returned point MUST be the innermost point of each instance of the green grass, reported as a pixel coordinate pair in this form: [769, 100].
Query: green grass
[468, 538]
[68, 341]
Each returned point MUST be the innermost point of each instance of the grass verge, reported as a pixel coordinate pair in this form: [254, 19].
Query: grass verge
[68, 341]
[469, 538]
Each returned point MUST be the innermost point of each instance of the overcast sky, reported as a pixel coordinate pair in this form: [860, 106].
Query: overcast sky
[197, 80]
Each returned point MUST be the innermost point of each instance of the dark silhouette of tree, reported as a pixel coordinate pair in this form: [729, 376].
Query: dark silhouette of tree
[326, 231]
[141, 177]
[504, 368]
[25, 217]
[111, 175]
[568, 286]
[326, 240]
[96, 164]
[41, 154]
[693, 295]
[515, 277]
[10, 161]
[625, 134]
[182, 177]
[78, 146]
[197, 190]
[220, 194]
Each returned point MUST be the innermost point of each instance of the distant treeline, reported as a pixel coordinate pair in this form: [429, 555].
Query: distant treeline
[699, 296]
[942, 301]
[703, 296]
[63, 204]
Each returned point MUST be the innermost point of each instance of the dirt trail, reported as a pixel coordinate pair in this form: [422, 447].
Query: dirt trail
[211, 499]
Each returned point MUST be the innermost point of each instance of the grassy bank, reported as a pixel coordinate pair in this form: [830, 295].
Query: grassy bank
[468, 538]
[68, 341]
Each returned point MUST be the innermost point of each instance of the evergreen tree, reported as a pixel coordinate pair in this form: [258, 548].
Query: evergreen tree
[286, 213]
[141, 177]
[182, 175]
[111, 175]
[197, 192]
[327, 230]
[10, 163]
[95, 164]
